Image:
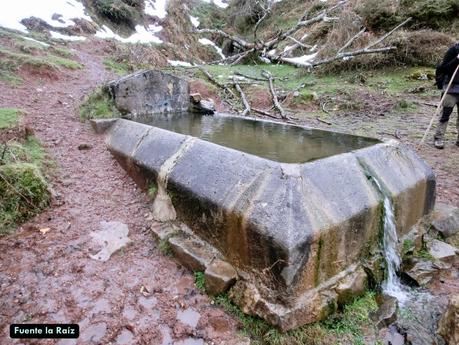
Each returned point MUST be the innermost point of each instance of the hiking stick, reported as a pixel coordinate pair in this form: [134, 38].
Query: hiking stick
[439, 107]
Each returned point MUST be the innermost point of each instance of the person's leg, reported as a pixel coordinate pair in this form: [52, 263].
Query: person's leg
[457, 121]
[448, 106]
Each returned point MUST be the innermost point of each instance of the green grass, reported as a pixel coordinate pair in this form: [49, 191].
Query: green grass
[424, 254]
[117, 67]
[11, 61]
[152, 190]
[24, 193]
[164, 247]
[10, 117]
[209, 15]
[347, 327]
[62, 52]
[199, 281]
[27, 52]
[289, 77]
[98, 105]
[29, 151]
[408, 246]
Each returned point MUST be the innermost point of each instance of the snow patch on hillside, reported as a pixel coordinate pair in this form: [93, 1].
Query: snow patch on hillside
[304, 60]
[156, 8]
[194, 21]
[36, 41]
[142, 34]
[177, 63]
[218, 3]
[12, 13]
[59, 36]
[208, 42]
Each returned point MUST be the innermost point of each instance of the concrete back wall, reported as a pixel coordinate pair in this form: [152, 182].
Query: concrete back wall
[150, 92]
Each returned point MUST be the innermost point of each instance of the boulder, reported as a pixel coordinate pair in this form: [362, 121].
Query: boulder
[386, 313]
[150, 92]
[448, 327]
[442, 251]
[422, 272]
[445, 220]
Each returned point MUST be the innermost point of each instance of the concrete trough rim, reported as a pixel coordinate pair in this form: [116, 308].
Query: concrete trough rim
[391, 142]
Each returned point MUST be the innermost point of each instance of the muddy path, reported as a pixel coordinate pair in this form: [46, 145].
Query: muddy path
[139, 296]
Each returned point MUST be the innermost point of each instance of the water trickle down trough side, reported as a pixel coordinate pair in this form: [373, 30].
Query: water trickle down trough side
[391, 285]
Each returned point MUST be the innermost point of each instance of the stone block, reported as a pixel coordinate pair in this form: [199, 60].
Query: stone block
[101, 126]
[219, 277]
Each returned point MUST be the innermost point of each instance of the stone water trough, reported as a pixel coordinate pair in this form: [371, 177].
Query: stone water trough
[284, 216]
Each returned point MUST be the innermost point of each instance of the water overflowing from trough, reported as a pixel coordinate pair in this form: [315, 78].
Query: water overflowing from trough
[275, 141]
[392, 285]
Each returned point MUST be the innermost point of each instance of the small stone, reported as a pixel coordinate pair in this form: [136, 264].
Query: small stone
[442, 251]
[448, 327]
[204, 106]
[422, 272]
[195, 98]
[387, 312]
[191, 254]
[219, 277]
[82, 147]
[352, 286]
[446, 220]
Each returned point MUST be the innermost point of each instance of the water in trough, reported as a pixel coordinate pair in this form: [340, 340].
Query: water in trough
[275, 141]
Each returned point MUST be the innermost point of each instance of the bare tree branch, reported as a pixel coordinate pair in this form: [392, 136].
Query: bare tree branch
[344, 55]
[352, 40]
[274, 95]
[243, 56]
[241, 42]
[266, 12]
[354, 53]
[388, 34]
[243, 97]
[265, 113]
[250, 77]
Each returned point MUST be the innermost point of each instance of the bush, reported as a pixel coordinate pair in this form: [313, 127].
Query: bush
[385, 14]
[116, 11]
[420, 48]
[245, 13]
[23, 194]
[435, 14]
[134, 3]
[379, 14]
[98, 105]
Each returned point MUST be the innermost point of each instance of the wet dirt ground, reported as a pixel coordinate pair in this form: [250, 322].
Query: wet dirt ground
[139, 296]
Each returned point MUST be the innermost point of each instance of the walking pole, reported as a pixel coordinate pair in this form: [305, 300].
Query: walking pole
[439, 107]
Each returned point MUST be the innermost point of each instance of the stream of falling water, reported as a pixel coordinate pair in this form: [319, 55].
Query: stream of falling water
[391, 286]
